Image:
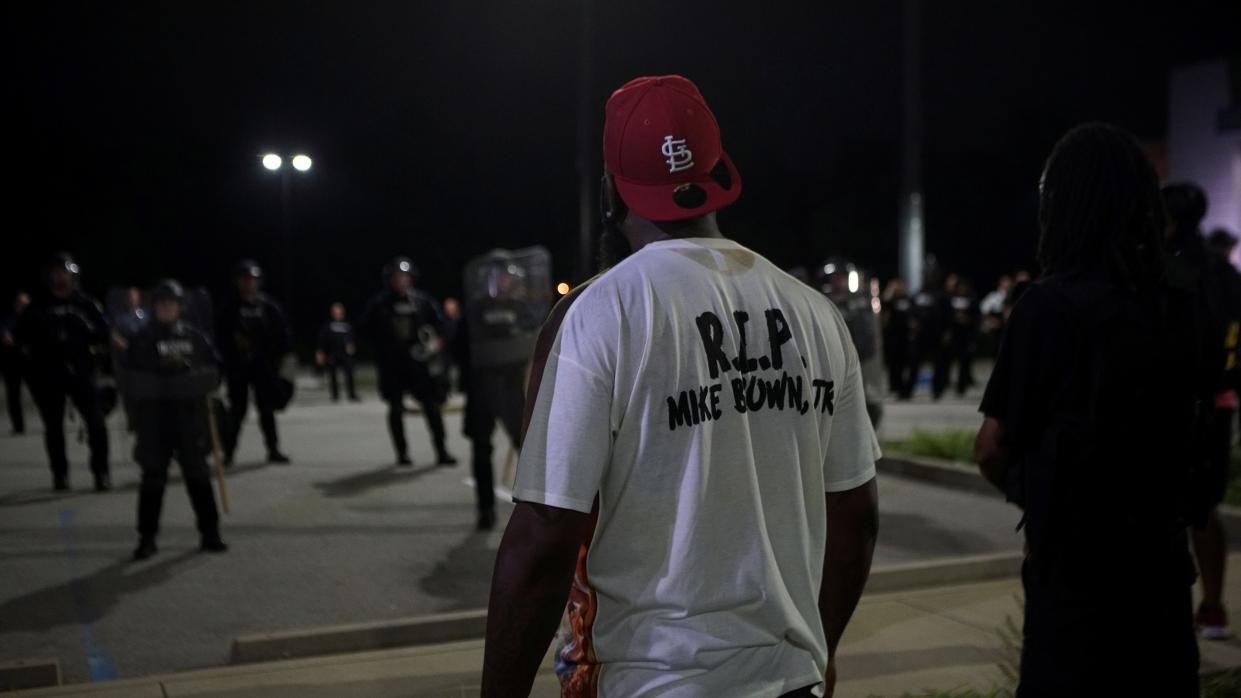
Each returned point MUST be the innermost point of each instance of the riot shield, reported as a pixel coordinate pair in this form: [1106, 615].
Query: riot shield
[508, 296]
[856, 296]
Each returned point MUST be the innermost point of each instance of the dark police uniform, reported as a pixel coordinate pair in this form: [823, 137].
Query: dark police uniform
[963, 342]
[929, 320]
[171, 369]
[399, 328]
[896, 344]
[65, 343]
[495, 391]
[335, 339]
[1097, 390]
[254, 337]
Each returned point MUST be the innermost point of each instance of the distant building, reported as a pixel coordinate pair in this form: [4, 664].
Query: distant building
[1204, 138]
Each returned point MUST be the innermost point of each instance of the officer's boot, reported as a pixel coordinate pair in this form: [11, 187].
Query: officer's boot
[150, 503]
[436, 423]
[202, 498]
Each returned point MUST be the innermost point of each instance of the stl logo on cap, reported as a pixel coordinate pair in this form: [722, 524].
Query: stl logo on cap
[662, 147]
[679, 156]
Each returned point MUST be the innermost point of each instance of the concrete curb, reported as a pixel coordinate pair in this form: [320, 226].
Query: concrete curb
[472, 625]
[937, 472]
[960, 570]
[29, 673]
[961, 477]
[360, 637]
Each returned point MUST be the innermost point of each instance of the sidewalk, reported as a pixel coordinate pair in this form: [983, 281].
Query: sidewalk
[944, 638]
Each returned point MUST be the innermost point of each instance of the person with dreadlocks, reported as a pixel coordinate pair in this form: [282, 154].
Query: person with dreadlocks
[1088, 415]
[1214, 283]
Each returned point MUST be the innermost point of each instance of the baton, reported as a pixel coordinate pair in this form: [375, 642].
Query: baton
[217, 456]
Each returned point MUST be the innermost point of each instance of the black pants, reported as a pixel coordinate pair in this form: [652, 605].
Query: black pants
[494, 395]
[929, 350]
[240, 381]
[50, 393]
[345, 366]
[963, 357]
[1111, 618]
[412, 378]
[13, 392]
[899, 381]
[163, 436]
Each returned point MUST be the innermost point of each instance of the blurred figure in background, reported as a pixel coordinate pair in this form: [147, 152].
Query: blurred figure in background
[1213, 283]
[64, 339]
[896, 318]
[404, 326]
[254, 338]
[336, 350]
[963, 332]
[509, 295]
[992, 310]
[929, 332]
[1088, 419]
[172, 368]
[11, 362]
[129, 323]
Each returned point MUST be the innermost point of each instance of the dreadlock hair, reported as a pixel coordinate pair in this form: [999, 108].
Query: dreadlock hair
[1100, 208]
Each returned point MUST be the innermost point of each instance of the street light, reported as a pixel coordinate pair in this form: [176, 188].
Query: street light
[274, 163]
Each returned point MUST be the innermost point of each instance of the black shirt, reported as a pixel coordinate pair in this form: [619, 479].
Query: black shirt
[1097, 390]
[400, 325]
[64, 335]
[335, 339]
[253, 331]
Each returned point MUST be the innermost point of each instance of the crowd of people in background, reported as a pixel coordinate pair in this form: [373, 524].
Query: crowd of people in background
[163, 354]
[1098, 327]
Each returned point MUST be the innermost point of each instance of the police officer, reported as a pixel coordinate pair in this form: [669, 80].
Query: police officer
[509, 297]
[254, 337]
[171, 368]
[336, 350]
[404, 326]
[64, 338]
[963, 331]
[929, 333]
[896, 317]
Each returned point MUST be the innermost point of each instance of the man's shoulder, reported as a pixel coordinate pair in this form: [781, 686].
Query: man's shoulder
[570, 301]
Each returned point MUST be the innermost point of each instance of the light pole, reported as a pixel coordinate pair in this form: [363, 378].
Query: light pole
[275, 163]
[911, 232]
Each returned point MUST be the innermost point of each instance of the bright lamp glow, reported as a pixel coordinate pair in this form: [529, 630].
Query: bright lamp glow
[301, 163]
[272, 161]
[562, 288]
[854, 282]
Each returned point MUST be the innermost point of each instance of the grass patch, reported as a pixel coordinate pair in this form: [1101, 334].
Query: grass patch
[949, 444]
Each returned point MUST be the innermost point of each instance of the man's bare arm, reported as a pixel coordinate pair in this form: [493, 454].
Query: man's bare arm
[990, 452]
[529, 589]
[535, 562]
[852, 527]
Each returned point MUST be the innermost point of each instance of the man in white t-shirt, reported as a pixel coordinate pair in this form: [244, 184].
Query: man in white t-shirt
[696, 487]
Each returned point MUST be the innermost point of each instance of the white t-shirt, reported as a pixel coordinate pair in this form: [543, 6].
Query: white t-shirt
[709, 400]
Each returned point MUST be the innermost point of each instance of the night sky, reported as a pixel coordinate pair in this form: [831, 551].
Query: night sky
[444, 129]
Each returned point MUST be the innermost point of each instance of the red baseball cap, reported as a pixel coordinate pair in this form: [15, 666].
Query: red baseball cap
[662, 145]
